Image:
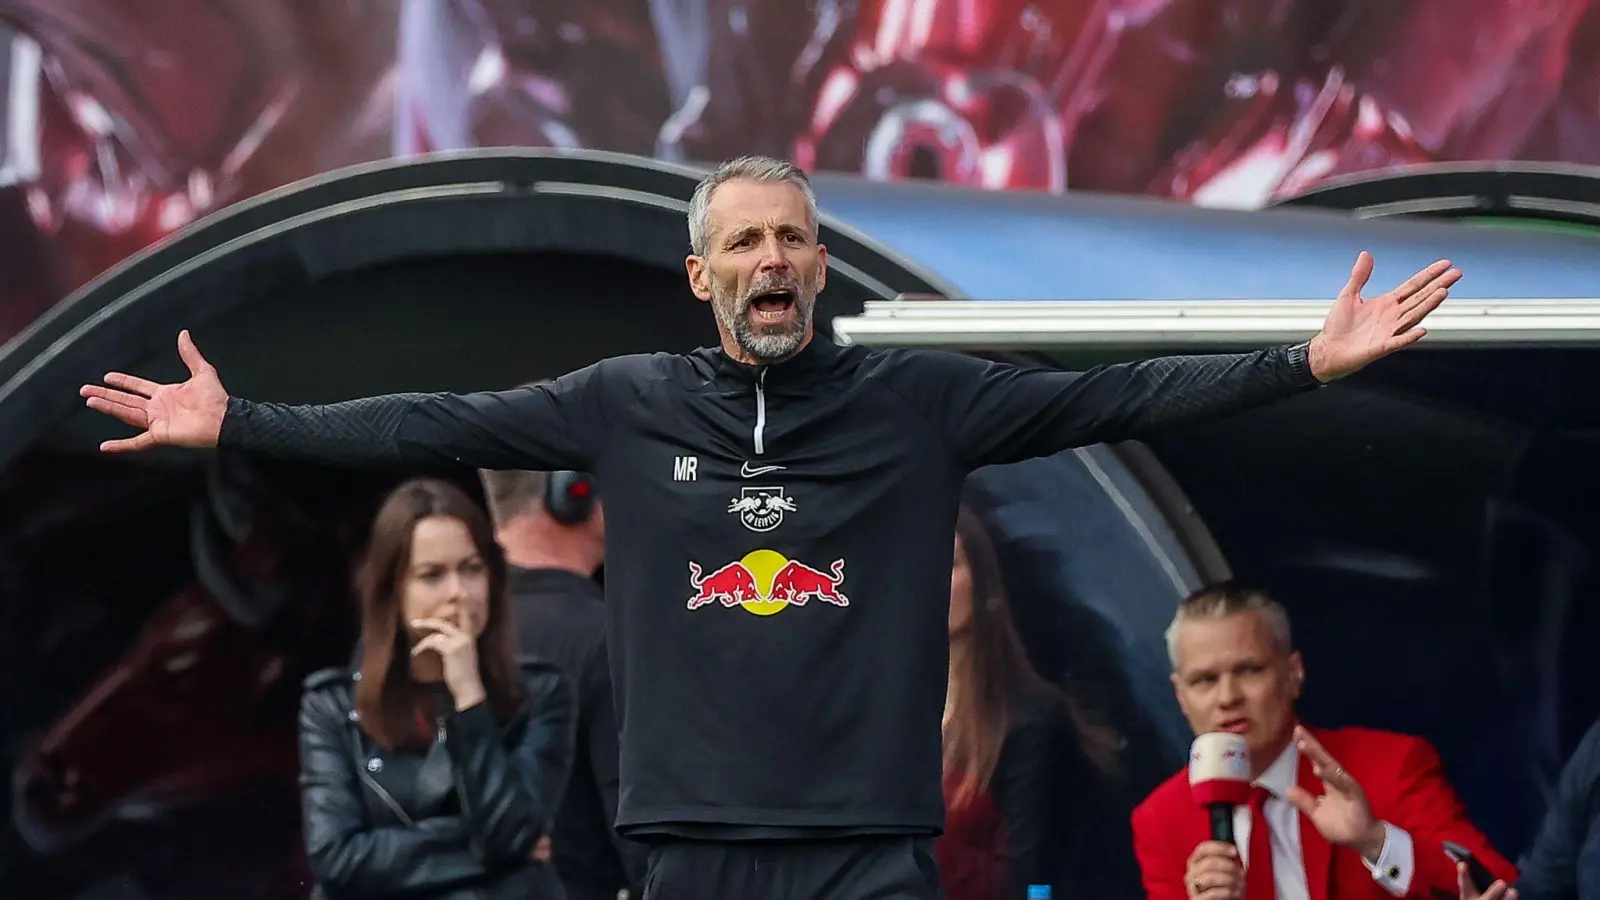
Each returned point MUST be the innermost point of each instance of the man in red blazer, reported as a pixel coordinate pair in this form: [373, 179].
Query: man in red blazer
[1346, 814]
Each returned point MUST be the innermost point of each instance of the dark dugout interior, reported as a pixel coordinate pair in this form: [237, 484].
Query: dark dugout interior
[158, 612]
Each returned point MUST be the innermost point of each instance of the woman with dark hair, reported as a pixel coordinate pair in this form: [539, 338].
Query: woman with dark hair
[431, 767]
[1006, 733]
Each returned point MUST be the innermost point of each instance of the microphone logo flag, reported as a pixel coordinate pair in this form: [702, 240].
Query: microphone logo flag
[1219, 769]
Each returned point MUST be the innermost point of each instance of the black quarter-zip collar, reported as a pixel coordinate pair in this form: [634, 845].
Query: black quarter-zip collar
[811, 365]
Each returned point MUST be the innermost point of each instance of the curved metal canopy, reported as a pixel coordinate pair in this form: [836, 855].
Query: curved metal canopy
[1528, 191]
[482, 201]
[995, 245]
[527, 196]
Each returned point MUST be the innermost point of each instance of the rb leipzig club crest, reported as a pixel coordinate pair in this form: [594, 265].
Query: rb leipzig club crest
[761, 509]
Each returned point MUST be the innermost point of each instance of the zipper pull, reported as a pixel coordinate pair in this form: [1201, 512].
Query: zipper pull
[760, 431]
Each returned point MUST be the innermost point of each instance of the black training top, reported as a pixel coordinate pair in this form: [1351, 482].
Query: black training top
[778, 545]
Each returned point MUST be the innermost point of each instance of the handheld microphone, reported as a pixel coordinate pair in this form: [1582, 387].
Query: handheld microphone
[1219, 778]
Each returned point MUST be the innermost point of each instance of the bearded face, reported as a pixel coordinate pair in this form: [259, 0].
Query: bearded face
[769, 319]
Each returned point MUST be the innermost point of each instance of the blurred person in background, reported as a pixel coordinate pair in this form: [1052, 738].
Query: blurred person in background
[432, 766]
[552, 528]
[1341, 813]
[1564, 861]
[1009, 741]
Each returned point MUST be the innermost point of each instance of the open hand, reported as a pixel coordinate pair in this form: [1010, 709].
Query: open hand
[458, 651]
[179, 415]
[1359, 331]
[1342, 815]
[1497, 891]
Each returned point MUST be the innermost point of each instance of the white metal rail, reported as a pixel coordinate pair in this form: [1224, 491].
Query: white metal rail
[1200, 324]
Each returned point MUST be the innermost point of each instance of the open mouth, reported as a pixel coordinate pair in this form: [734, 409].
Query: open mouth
[772, 306]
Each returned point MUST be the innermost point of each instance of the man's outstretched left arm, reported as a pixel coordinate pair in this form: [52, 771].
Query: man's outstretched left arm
[1000, 413]
[992, 413]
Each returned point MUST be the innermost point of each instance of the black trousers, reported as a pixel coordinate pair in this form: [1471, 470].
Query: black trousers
[868, 868]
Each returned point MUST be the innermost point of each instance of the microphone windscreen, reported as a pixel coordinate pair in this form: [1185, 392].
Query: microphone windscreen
[1219, 769]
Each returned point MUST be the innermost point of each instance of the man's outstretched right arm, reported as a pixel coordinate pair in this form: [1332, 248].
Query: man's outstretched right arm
[554, 425]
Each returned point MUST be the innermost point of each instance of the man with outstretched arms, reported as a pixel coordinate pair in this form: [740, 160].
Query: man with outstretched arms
[779, 520]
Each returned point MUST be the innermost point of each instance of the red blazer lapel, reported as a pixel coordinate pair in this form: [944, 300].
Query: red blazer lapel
[1315, 850]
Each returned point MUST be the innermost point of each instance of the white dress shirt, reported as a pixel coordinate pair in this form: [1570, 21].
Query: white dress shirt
[1393, 870]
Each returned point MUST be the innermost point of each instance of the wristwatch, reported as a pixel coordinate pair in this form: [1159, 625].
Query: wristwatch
[1300, 358]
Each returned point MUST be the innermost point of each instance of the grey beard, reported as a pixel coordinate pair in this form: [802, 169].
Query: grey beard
[767, 347]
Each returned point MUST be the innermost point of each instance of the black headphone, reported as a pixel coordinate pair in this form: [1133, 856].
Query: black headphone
[569, 496]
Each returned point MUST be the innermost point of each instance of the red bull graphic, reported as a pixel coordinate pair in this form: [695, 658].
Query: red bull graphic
[765, 582]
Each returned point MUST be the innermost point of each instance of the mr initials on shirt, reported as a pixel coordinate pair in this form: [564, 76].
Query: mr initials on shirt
[683, 467]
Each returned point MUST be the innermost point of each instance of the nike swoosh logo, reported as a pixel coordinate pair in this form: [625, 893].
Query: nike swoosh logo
[748, 472]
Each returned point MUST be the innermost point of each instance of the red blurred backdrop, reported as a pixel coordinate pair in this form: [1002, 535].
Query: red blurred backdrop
[123, 123]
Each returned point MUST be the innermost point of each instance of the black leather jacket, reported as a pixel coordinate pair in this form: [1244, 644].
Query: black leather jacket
[381, 825]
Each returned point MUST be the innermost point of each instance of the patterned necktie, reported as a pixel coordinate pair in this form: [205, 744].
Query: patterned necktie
[1258, 883]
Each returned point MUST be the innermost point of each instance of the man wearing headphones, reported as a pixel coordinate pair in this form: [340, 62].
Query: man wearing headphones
[552, 529]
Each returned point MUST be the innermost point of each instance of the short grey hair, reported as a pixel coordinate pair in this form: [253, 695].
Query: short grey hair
[1223, 600]
[509, 493]
[765, 169]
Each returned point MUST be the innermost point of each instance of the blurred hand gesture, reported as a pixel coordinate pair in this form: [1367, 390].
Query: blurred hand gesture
[1359, 331]
[1342, 815]
[458, 654]
[178, 415]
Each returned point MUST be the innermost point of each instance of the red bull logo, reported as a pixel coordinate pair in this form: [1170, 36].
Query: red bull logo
[765, 582]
